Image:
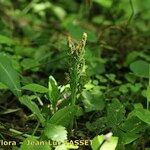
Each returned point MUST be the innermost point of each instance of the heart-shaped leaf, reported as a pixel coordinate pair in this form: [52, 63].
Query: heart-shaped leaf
[140, 68]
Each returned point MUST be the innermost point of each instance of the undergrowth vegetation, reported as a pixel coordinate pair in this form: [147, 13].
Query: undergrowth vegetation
[74, 75]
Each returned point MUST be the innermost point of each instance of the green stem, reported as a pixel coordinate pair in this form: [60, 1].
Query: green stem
[148, 100]
[74, 88]
[17, 132]
[147, 104]
[76, 54]
[74, 83]
[36, 128]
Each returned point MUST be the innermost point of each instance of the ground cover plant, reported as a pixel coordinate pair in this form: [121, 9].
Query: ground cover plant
[74, 75]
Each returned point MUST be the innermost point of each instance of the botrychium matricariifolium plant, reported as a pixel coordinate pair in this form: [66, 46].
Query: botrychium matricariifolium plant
[77, 66]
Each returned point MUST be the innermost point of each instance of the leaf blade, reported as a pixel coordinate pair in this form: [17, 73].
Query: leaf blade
[33, 107]
[63, 116]
[55, 132]
[35, 88]
[9, 76]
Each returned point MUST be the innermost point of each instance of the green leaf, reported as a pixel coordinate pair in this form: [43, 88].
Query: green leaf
[5, 40]
[59, 12]
[110, 144]
[9, 76]
[66, 147]
[115, 113]
[7, 111]
[97, 141]
[104, 3]
[104, 142]
[132, 56]
[31, 64]
[98, 125]
[31, 143]
[141, 113]
[26, 100]
[93, 101]
[55, 132]
[127, 138]
[35, 88]
[140, 68]
[123, 88]
[96, 65]
[76, 32]
[53, 91]
[61, 147]
[132, 129]
[63, 116]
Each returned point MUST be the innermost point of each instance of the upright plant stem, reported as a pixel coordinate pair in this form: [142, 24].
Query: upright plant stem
[73, 84]
[147, 104]
[76, 67]
[74, 89]
[148, 90]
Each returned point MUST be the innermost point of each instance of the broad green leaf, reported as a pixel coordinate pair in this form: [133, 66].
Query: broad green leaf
[96, 66]
[53, 91]
[98, 125]
[26, 100]
[9, 76]
[132, 129]
[97, 141]
[140, 68]
[59, 12]
[132, 56]
[63, 116]
[123, 88]
[93, 101]
[31, 143]
[141, 113]
[35, 88]
[5, 40]
[115, 113]
[133, 124]
[104, 3]
[129, 137]
[55, 132]
[41, 6]
[110, 144]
